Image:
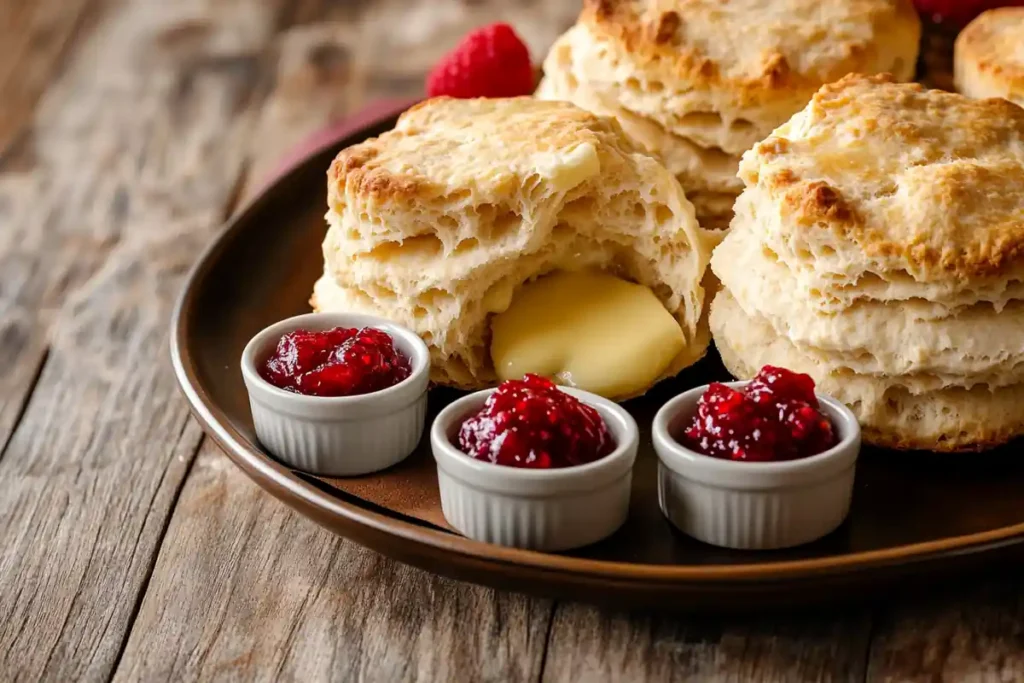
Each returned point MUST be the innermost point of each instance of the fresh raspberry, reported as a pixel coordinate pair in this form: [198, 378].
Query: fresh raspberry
[958, 12]
[531, 423]
[489, 62]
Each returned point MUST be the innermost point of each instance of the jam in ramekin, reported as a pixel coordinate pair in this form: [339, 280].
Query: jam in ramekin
[341, 361]
[531, 423]
[774, 417]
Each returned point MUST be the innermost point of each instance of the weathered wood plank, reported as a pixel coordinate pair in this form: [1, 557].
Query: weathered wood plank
[135, 152]
[35, 38]
[352, 53]
[246, 589]
[588, 644]
[133, 157]
[972, 636]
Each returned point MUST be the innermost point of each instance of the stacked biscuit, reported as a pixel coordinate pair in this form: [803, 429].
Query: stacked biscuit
[698, 82]
[438, 223]
[879, 247]
[989, 56]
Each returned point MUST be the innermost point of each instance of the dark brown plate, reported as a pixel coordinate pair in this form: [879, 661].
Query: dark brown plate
[913, 516]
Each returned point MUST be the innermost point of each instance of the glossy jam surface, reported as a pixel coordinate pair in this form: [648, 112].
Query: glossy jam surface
[530, 423]
[343, 361]
[775, 417]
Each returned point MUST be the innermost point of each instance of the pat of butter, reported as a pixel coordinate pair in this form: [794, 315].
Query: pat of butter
[588, 330]
[566, 171]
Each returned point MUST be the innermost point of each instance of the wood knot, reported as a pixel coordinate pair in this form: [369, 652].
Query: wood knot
[328, 57]
[667, 27]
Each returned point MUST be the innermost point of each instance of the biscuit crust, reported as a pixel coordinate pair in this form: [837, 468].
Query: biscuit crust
[753, 62]
[897, 178]
[895, 412]
[698, 82]
[877, 246]
[437, 223]
[989, 56]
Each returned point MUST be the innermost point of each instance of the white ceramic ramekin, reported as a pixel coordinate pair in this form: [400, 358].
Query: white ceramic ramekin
[754, 505]
[343, 435]
[556, 509]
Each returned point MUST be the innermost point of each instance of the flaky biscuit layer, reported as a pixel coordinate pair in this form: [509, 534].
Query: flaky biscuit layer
[725, 74]
[967, 345]
[702, 169]
[895, 412]
[879, 247]
[893, 180]
[988, 57]
[437, 223]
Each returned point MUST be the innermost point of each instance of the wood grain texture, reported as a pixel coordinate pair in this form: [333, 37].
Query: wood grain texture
[35, 38]
[246, 589]
[975, 635]
[127, 129]
[587, 644]
[136, 148]
[342, 55]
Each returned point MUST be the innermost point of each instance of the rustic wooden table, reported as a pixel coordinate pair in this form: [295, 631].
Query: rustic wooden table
[130, 548]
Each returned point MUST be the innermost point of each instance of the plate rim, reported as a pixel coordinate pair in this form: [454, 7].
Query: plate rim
[301, 495]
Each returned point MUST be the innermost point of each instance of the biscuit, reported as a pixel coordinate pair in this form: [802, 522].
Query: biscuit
[879, 246]
[696, 167]
[726, 74]
[708, 175]
[988, 59]
[438, 222]
[876, 337]
[698, 82]
[890, 180]
[831, 282]
[898, 413]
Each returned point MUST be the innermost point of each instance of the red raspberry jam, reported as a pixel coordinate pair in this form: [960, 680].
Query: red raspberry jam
[343, 361]
[531, 423]
[775, 417]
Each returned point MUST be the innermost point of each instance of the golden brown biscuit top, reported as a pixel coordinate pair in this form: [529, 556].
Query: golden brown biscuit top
[480, 146]
[929, 180]
[995, 43]
[754, 45]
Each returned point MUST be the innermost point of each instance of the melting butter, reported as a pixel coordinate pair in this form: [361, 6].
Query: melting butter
[586, 329]
[567, 170]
